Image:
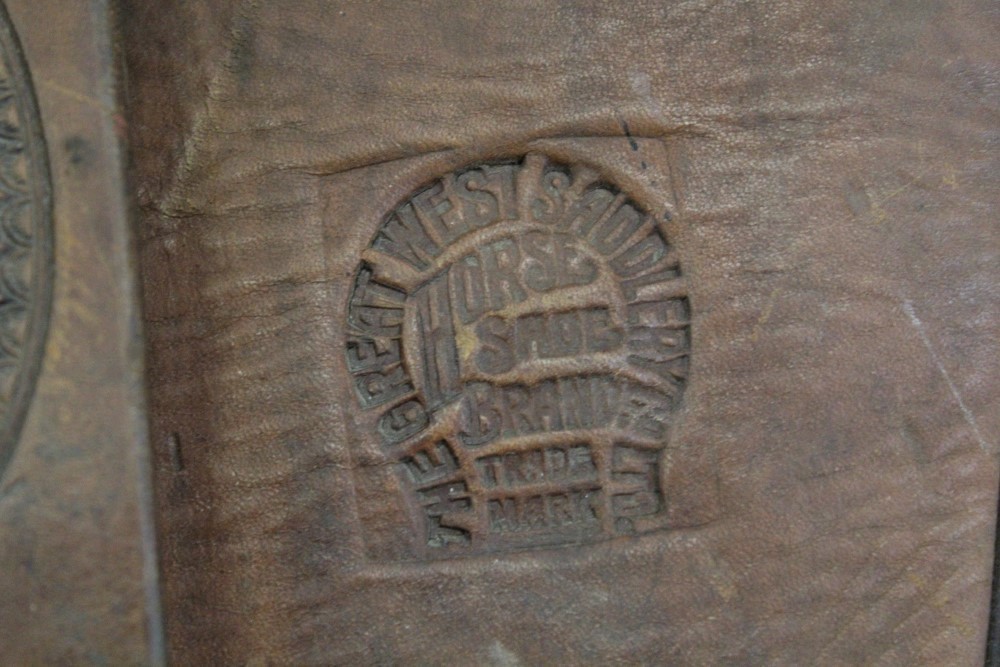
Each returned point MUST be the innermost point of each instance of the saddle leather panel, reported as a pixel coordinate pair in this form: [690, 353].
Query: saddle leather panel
[78, 581]
[824, 489]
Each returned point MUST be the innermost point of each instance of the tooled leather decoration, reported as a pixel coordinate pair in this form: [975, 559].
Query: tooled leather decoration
[25, 240]
[523, 332]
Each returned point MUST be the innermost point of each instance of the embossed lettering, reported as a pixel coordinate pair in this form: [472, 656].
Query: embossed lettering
[437, 337]
[617, 229]
[546, 465]
[501, 261]
[381, 387]
[403, 237]
[403, 421]
[585, 213]
[521, 353]
[430, 464]
[432, 206]
[506, 343]
[548, 207]
[540, 512]
[480, 207]
[376, 309]
[365, 354]
[553, 261]
[468, 292]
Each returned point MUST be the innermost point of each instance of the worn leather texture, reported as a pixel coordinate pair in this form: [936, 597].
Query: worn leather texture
[77, 555]
[826, 175]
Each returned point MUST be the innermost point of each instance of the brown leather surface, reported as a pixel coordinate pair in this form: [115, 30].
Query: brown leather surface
[77, 571]
[825, 173]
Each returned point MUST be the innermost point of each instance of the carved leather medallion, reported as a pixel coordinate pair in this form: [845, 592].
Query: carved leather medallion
[522, 332]
[25, 239]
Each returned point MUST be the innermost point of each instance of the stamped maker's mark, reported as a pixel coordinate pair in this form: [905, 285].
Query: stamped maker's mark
[522, 332]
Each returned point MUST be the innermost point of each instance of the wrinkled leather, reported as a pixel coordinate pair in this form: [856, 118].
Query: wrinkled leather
[832, 178]
[77, 558]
